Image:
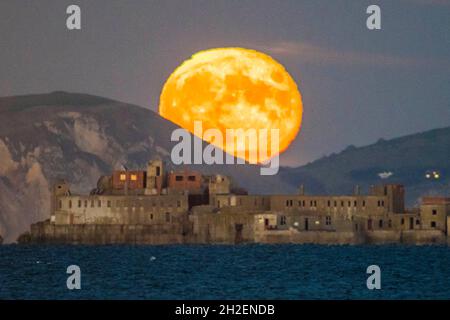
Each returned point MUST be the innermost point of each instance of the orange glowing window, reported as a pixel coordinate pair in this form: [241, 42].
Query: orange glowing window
[123, 177]
[133, 177]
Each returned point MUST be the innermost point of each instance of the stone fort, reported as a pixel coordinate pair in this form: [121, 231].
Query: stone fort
[153, 206]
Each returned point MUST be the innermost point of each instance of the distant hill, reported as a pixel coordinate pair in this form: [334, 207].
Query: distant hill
[404, 160]
[79, 137]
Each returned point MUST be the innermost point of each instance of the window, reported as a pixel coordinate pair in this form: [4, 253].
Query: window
[85, 203]
[59, 204]
[167, 217]
[355, 203]
[151, 216]
[303, 202]
[335, 204]
[311, 203]
[380, 224]
[390, 223]
[283, 220]
[434, 212]
[123, 177]
[191, 178]
[364, 203]
[403, 221]
[70, 203]
[92, 203]
[133, 177]
[79, 203]
[417, 221]
[291, 202]
[328, 220]
[329, 203]
[315, 203]
[178, 178]
[349, 203]
[342, 203]
[178, 203]
[433, 224]
[99, 203]
[158, 171]
[287, 203]
[108, 204]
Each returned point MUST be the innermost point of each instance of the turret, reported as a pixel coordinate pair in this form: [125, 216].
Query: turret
[60, 188]
[155, 174]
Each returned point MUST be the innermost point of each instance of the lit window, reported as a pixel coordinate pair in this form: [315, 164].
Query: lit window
[123, 177]
[133, 177]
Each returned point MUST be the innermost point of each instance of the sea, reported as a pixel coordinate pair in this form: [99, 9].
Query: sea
[225, 272]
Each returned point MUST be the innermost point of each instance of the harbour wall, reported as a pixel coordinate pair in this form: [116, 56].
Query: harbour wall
[100, 234]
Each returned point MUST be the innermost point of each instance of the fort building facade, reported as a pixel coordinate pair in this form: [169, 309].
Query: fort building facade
[153, 206]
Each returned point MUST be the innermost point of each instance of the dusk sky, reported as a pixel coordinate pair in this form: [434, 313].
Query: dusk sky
[357, 85]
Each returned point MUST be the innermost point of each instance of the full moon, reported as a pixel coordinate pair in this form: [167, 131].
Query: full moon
[234, 88]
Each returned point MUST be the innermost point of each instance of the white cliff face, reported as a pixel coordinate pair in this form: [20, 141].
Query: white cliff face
[7, 164]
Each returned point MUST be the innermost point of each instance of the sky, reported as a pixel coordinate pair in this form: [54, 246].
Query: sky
[357, 85]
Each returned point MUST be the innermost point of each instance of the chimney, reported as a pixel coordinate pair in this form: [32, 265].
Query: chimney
[301, 190]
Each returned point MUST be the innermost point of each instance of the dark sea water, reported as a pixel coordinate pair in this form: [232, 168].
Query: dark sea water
[225, 272]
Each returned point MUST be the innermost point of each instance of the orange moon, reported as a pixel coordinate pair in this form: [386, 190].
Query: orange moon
[234, 88]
